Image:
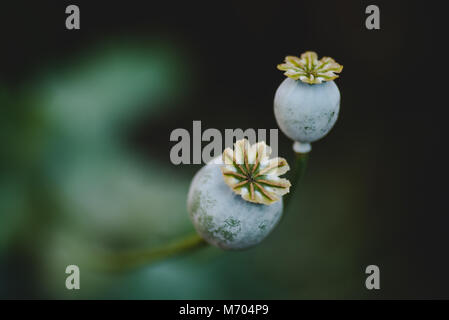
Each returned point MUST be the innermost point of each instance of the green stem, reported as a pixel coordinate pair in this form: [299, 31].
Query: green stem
[131, 259]
[297, 173]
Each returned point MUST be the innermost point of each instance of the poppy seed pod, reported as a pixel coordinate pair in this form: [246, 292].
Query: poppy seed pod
[307, 102]
[235, 200]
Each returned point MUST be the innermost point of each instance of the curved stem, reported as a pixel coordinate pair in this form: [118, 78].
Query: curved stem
[297, 173]
[131, 259]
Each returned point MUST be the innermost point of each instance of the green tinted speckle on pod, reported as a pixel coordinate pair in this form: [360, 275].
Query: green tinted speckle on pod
[307, 103]
[222, 217]
[306, 112]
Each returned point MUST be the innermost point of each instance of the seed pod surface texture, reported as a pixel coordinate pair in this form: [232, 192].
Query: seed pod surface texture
[222, 217]
[306, 112]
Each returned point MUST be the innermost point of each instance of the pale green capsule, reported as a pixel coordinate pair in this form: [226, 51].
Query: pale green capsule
[306, 112]
[222, 217]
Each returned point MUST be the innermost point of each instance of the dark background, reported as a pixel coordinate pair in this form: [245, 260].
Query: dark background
[375, 188]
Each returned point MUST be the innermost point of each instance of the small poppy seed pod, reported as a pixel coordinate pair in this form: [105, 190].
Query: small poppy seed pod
[307, 103]
[235, 200]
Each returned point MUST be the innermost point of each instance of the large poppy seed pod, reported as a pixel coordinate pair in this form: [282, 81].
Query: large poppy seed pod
[234, 201]
[307, 102]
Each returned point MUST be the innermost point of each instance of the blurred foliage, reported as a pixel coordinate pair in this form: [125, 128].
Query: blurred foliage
[68, 169]
[72, 188]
